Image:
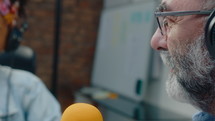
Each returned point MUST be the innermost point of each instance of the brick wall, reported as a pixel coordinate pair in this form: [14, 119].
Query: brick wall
[80, 19]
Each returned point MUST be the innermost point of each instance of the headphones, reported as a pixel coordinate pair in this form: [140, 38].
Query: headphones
[210, 34]
[14, 37]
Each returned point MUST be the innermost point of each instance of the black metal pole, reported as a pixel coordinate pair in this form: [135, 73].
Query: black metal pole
[56, 48]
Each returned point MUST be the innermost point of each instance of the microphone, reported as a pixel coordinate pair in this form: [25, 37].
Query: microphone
[81, 112]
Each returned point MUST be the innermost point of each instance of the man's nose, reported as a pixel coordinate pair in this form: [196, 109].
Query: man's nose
[158, 41]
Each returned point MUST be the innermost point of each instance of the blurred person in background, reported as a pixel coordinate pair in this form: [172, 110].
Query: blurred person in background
[23, 95]
[185, 38]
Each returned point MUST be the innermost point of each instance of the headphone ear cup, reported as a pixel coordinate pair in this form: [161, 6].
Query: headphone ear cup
[13, 40]
[210, 34]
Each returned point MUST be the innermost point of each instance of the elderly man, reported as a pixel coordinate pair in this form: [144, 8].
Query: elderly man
[185, 38]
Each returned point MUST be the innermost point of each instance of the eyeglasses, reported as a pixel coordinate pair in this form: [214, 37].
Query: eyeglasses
[161, 17]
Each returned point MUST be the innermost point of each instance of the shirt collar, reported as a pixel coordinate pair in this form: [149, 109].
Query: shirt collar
[203, 116]
[8, 108]
[6, 104]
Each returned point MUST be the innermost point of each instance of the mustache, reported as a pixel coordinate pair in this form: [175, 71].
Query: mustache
[169, 60]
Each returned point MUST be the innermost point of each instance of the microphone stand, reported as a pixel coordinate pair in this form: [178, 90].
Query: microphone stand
[56, 48]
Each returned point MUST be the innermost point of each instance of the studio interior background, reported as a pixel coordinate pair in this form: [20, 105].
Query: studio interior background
[78, 34]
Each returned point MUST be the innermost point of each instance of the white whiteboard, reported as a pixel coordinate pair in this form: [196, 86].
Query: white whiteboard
[123, 49]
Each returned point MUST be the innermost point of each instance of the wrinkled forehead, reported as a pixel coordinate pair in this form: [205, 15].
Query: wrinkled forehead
[181, 5]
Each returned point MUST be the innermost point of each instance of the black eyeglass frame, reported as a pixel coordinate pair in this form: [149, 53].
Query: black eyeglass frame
[179, 13]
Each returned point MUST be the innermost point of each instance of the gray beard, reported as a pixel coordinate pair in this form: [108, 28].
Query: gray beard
[191, 78]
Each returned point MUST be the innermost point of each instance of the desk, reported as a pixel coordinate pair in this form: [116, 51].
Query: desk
[123, 109]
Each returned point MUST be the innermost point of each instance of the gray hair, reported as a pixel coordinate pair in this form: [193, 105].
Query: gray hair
[209, 4]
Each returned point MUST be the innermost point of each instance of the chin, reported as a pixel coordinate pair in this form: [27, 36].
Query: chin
[175, 90]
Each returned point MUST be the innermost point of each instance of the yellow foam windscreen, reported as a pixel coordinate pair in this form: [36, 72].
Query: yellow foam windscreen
[81, 112]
